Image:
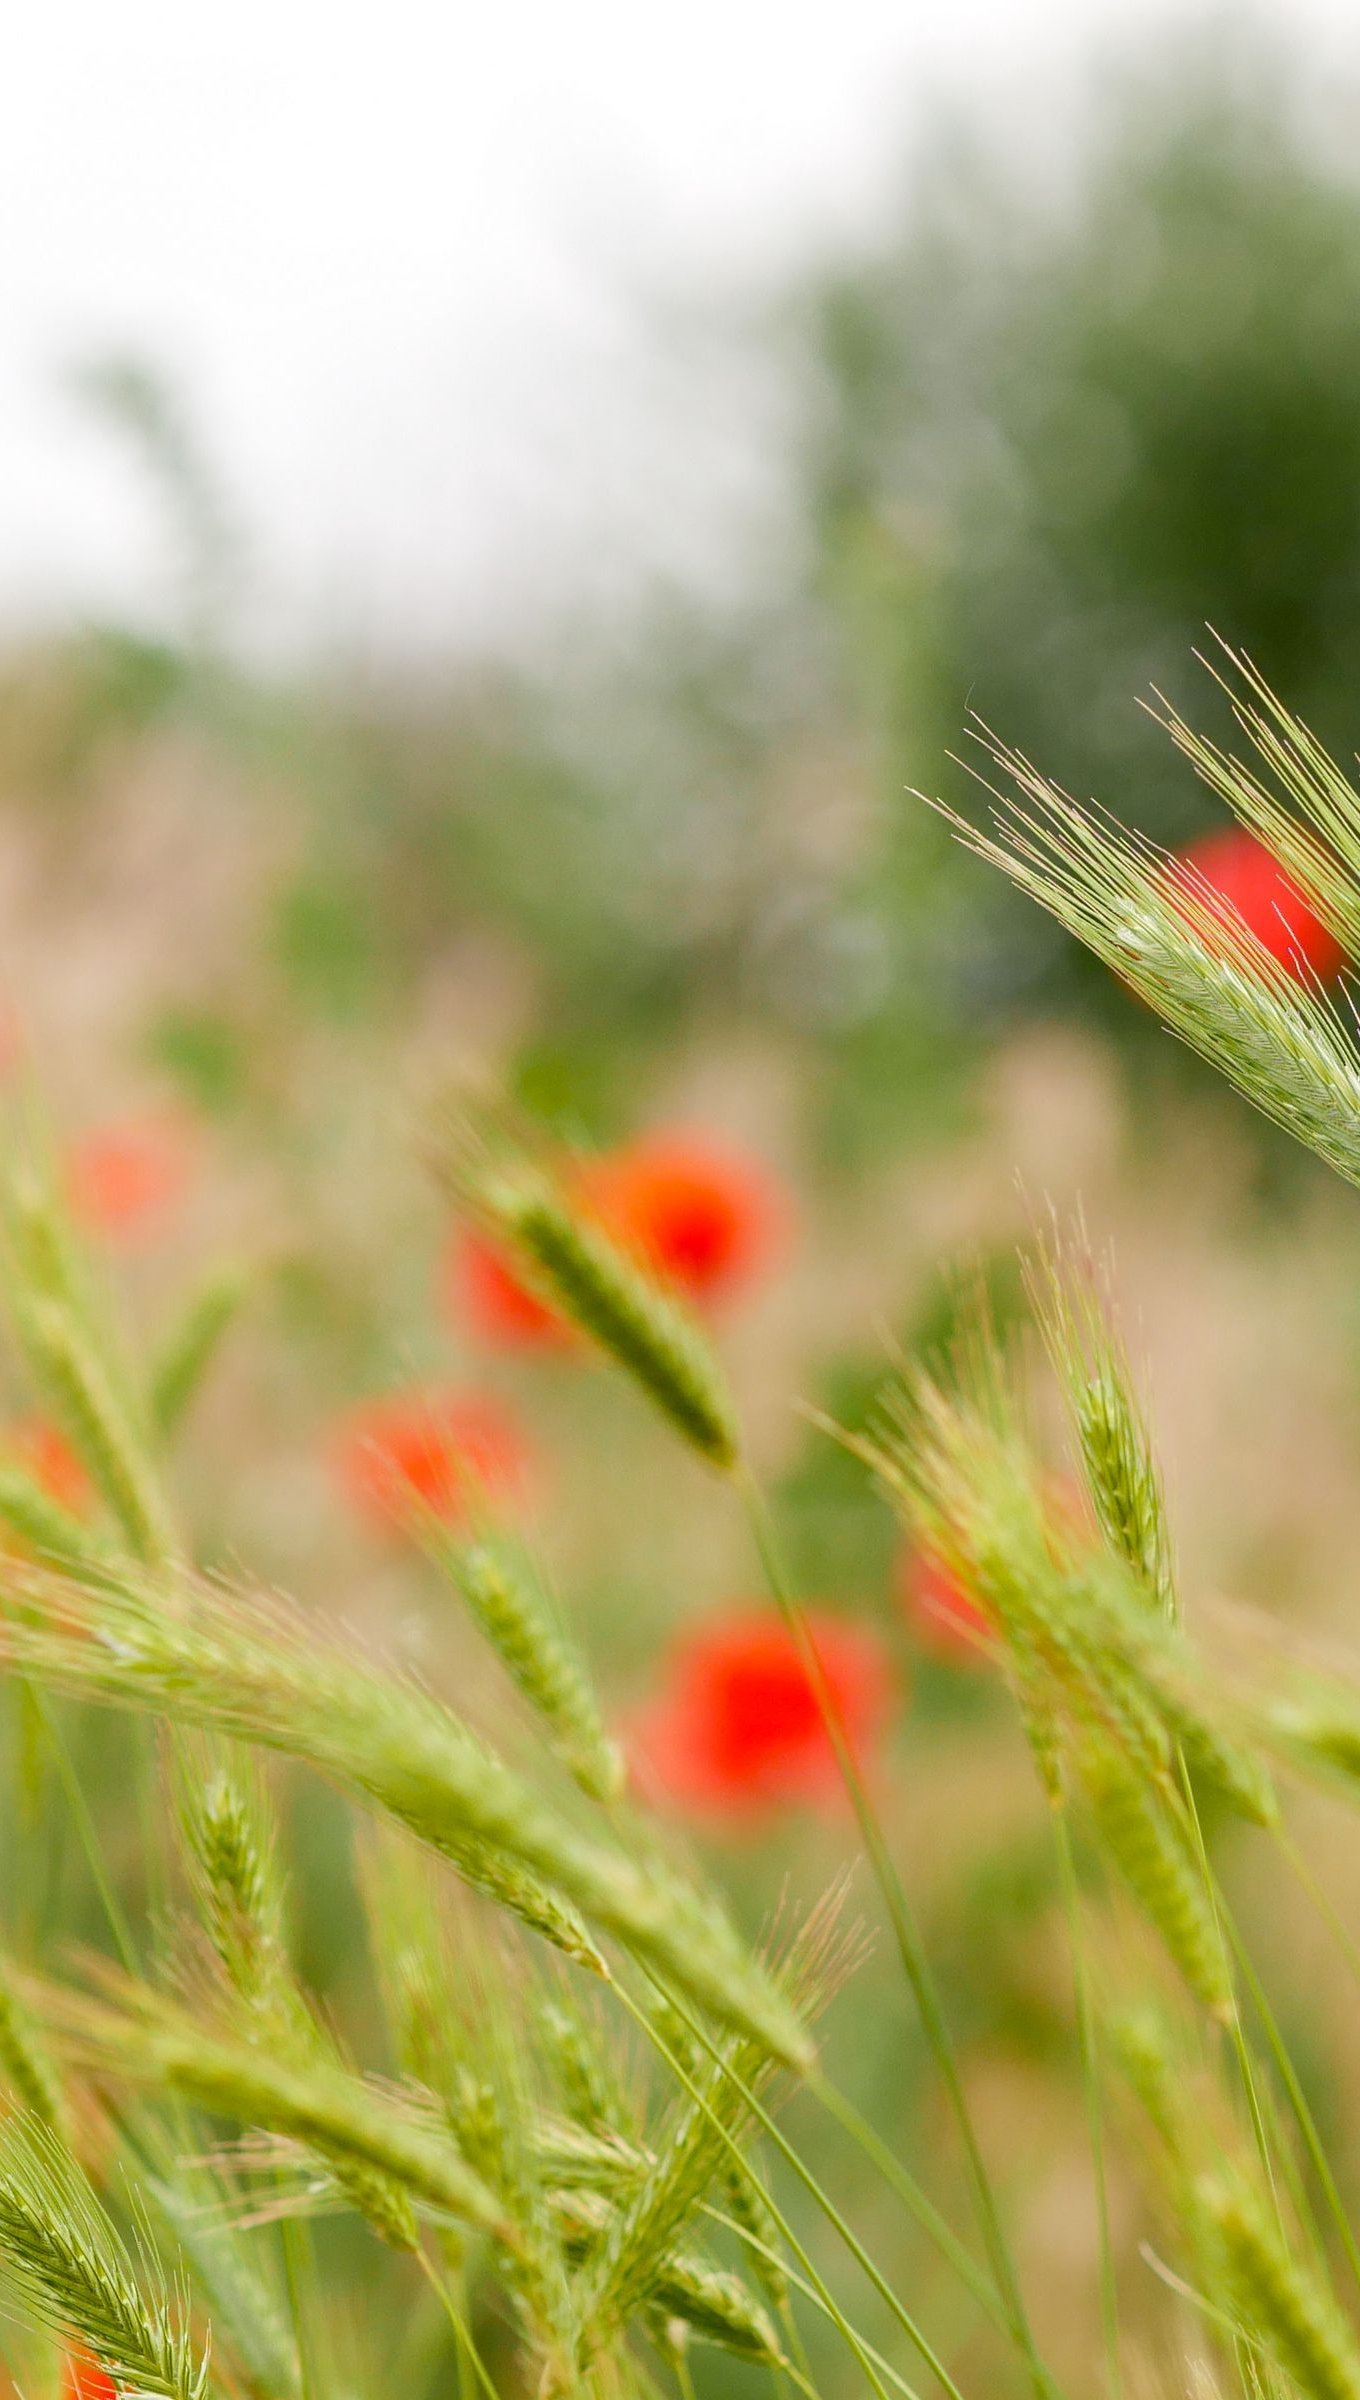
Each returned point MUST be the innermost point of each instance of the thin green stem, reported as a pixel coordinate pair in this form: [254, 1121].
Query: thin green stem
[1208, 2309]
[299, 2276]
[1302, 2113]
[462, 2330]
[803, 2375]
[676, 2067]
[1235, 1950]
[788, 2316]
[466, 2379]
[85, 1827]
[901, 2181]
[683, 2377]
[1090, 2077]
[905, 1931]
[1326, 1908]
[884, 2289]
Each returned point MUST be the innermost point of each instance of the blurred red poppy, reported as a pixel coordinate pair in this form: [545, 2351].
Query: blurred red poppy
[738, 1727]
[1244, 876]
[944, 1619]
[47, 1455]
[706, 1219]
[126, 1179]
[434, 1450]
[485, 1293]
[84, 2379]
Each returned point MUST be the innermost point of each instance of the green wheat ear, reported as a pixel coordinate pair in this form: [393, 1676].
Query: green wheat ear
[73, 1353]
[385, 2156]
[42, 1524]
[26, 2063]
[67, 2267]
[1278, 1038]
[1145, 1844]
[611, 1297]
[191, 1347]
[1072, 1303]
[1311, 821]
[520, 1621]
[230, 2277]
[1287, 2306]
[251, 1669]
[82, 1393]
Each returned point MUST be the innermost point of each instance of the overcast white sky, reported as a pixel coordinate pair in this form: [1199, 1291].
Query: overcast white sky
[392, 255]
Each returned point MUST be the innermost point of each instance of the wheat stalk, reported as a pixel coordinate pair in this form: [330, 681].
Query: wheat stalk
[251, 1670]
[612, 1297]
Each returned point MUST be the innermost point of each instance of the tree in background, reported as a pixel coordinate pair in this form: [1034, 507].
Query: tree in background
[1044, 447]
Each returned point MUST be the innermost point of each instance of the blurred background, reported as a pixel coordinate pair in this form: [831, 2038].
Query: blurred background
[499, 512]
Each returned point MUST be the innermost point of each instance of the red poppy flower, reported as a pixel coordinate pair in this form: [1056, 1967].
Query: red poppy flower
[945, 1620]
[485, 1292]
[739, 1727]
[124, 1180]
[84, 2379]
[1241, 874]
[433, 1450]
[50, 1460]
[707, 1220]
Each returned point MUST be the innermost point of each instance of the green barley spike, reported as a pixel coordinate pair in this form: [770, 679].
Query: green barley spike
[380, 2200]
[963, 1477]
[26, 2064]
[363, 2133]
[1145, 1844]
[1139, 2042]
[537, 1905]
[701, 2299]
[626, 1312]
[1319, 1731]
[91, 1414]
[1043, 1610]
[254, 1673]
[488, 2113]
[470, 2067]
[230, 1846]
[46, 1267]
[229, 1837]
[1070, 1294]
[42, 1524]
[1280, 1041]
[1228, 1766]
[247, 2323]
[591, 2091]
[1122, 1482]
[544, 1665]
[601, 1288]
[690, 2156]
[717, 2307]
[1038, 1717]
[1156, 1659]
[45, 1262]
[192, 1347]
[68, 2267]
[749, 2205]
[1285, 2305]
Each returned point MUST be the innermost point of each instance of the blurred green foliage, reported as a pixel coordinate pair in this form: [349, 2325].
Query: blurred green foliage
[1041, 439]
[1049, 444]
